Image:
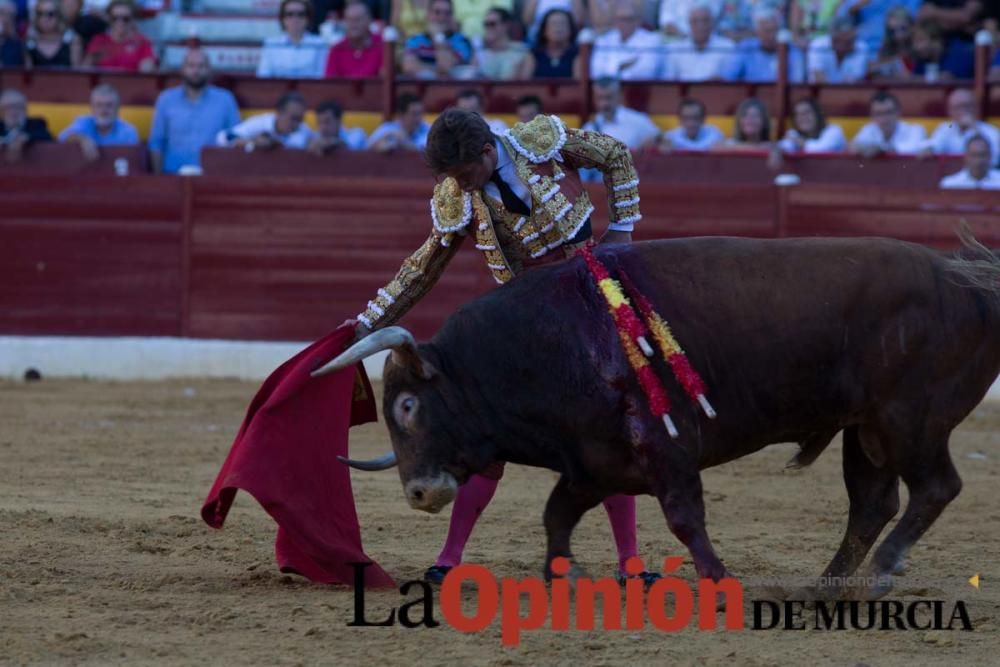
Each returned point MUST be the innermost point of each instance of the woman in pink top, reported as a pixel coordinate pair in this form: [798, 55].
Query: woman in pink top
[122, 47]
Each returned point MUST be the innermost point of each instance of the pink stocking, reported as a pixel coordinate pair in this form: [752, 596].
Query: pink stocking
[472, 499]
[621, 514]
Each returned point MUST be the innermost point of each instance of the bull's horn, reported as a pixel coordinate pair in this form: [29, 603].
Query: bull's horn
[383, 339]
[381, 463]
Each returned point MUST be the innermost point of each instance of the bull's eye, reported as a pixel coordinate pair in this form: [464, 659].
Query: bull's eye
[408, 404]
[405, 409]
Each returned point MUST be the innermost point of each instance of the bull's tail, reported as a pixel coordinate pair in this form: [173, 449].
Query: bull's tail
[975, 265]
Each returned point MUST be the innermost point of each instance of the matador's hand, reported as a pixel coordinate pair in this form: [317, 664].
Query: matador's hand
[612, 237]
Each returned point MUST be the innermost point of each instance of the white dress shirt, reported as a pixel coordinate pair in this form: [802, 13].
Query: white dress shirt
[505, 165]
[963, 180]
[830, 140]
[949, 139]
[265, 123]
[821, 58]
[708, 136]
[610, 52]
[305, 60]
[906, 139]
[632, 128]
[686, 62]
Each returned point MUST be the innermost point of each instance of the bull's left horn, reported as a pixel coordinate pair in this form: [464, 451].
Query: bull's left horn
[383, 339]
[381, 463]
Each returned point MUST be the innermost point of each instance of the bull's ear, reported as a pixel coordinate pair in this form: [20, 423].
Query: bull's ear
[409, 358]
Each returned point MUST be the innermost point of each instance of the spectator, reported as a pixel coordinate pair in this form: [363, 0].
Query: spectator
[359, 54]
[122, 46]
[11, 48]
[951, 137]
[957, 19]
[409, 16]
[633, 128]
[50, 42]
[85, 24]
[871, 17]
[810, 132]
[839, 57]
[703, 56]
[469, 16]
[675, 15]
[757, 57]
[555, 52]
[407, 132]
[439, 50]
[931, 61]
[896, 51]
[809, 19]
[627, 52]
[295, 53]
[977, 173]
[471, 99]
[751, 127]
[886, 133]
[266, 131]
[692, 134]
[534, 13]
[189, 116]
[499, 57]
[331, 133]
[528, 107]
[735, 18]
[17, 131]
[102, 127]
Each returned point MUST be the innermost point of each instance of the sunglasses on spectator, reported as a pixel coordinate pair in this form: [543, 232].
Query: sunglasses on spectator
[490, 24]
[51, 14]
[121, 18]
[294, 14]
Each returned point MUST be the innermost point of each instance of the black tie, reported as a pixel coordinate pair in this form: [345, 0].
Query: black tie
[510, 200]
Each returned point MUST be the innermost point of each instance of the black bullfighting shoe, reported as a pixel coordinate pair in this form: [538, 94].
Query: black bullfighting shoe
[435, 573]
[648, 578]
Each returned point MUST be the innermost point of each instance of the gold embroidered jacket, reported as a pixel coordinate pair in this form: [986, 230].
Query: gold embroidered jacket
[546, 158]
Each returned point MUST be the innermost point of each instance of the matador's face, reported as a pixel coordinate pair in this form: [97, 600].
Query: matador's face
[475, 175]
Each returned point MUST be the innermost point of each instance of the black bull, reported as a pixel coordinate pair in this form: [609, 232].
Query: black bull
[797, 340]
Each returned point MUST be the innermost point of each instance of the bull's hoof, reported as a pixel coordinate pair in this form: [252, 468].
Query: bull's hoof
[648, 578]
[575, 572]
[435, 574]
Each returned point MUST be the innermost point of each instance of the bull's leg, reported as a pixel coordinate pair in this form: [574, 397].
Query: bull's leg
[566, 505]
[933, 483]
[680, 496]
[873, 493]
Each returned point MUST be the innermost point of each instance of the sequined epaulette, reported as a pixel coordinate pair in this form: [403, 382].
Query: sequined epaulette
[538, 140]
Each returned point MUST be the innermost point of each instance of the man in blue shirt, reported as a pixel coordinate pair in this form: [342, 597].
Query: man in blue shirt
[102, 127]
[408, 132]
[757, 57]
[437, 52]
[189, 116]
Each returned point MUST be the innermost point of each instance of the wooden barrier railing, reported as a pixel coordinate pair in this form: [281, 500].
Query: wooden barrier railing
[287, 258]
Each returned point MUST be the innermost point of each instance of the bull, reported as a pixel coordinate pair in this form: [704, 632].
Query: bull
[891, 343]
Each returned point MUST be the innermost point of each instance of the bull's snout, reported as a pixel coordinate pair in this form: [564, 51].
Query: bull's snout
[431, 494]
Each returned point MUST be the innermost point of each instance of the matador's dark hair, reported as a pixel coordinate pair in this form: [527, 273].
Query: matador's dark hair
[456, 138]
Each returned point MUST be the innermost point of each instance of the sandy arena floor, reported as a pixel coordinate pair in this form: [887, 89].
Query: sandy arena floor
[103, 559]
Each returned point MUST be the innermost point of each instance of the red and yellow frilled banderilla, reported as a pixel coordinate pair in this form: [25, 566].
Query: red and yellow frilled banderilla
[632, 333]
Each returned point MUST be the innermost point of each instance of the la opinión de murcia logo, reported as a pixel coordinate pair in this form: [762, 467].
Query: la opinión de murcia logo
[631, 607]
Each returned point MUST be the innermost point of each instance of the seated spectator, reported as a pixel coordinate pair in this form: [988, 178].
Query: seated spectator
[627, 52]
[633, 128]
[17, 131]
[957, 21]
[886, 133]
[471, 99]
[439, 50]
[469, 15]
[703, 56]
[50, 43]
[809, 19]
[751, 128]
[810, 132]
[331, 133]
[977, 173]
[359, 54]
[555, 52]
[675, 15]
[189, 116]
[757, 57]
[295, 53]
[284, 127]
[407, 132]
[692, 134]
[409, 16]
[951, 136]
[528, 107]
[872, 16]
[896, 52]
[11, 48]
[535, 12]
[839, 57]
[499, 57]
[122, 46]
[86, 24]
[931, 61]
[102, 127]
